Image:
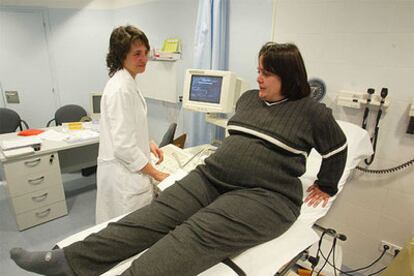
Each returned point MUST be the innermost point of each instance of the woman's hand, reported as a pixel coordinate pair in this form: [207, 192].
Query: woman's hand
[157, 152]
[316, 196]
[150, 170]
[160, 176]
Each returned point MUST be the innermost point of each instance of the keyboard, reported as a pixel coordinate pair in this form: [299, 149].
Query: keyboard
[176, 158]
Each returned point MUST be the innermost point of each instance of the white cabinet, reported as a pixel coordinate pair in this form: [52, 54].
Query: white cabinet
[35, 189]
[162, 80]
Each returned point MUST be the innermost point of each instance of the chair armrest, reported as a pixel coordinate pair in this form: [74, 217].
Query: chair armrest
[48, 123]
[25, 124]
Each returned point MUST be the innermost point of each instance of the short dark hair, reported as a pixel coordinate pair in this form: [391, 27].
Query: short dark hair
[119, 45]
[286, 61]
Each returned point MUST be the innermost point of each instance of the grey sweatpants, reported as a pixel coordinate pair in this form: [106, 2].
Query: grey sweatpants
[188, 228]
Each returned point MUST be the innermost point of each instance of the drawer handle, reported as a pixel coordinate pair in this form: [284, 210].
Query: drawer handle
[43, 213]
[36, 181]
[40, 197]
[32, 163]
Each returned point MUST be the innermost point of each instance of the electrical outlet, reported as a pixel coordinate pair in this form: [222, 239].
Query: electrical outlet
[393, 249]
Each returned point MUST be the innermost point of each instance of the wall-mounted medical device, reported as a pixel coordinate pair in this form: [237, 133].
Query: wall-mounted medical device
[370, 99]
[410, 128]
[318, 89]
[356, 99]
[366, 100]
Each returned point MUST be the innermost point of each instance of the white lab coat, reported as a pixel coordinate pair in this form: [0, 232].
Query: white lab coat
[123, 149]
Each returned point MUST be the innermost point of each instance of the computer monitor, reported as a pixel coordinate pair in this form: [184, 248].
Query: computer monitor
[211, 91]
[95, 104]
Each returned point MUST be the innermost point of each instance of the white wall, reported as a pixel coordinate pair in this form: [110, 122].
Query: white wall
[79, 42]
[354, 45]
[161, 20]
[24, 65]
[76, 42]
[250, 28]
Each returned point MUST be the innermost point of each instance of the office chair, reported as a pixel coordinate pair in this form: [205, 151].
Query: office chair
[72, 113]
[180, 141]
[10, 121]
[68, 113]
[168, 137]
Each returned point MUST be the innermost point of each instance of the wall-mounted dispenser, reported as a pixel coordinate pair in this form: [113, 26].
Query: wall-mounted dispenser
[410, 128]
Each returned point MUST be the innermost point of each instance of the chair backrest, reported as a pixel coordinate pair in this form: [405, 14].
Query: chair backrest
[168, 137]
[180, 141]
[9, 120]
[69, 113]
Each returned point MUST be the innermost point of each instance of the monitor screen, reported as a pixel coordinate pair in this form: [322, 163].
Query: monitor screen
[211, 91]
[96, 104]
[206, 88]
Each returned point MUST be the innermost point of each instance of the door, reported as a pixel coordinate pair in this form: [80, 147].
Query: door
[25, 66]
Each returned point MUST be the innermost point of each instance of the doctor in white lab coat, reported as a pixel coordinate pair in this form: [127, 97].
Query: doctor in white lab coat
[124, 167]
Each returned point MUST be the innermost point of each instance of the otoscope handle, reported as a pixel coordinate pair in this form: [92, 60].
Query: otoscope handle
[365, 118]
[384, 93]
[378, 117]
[370, 91]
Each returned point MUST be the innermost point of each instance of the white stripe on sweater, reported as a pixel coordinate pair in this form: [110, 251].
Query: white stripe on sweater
[267, 138]
[329, 154]
[281, 144]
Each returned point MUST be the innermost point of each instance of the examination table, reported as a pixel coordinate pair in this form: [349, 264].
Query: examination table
[270, 257]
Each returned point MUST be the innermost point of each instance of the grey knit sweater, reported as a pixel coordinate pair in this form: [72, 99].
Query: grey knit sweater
[268, 146]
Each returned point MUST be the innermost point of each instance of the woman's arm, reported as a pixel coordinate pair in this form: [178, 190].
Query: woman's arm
[150, 170]
[157, 152]
[330, 142]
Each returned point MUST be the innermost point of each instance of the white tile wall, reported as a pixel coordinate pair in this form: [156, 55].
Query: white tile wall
[355, 45]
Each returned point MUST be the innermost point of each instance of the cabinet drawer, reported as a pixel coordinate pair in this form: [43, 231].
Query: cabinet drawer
[38, 199]
[23, 184]
[32, 164]
[40, 215]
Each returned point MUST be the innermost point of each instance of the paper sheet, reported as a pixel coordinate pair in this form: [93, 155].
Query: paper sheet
[81, 135]
[53, 135]
[19, 142]
[171, 179]
[171, 45]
